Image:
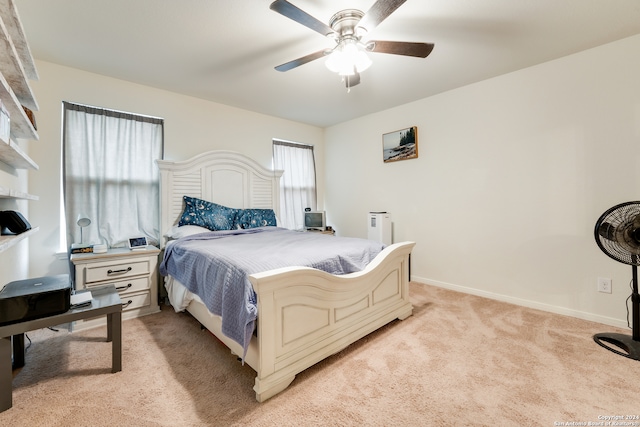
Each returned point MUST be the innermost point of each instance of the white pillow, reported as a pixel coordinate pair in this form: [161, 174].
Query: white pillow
[177, 232]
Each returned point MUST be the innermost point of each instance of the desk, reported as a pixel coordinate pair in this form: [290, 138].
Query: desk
[106, 301]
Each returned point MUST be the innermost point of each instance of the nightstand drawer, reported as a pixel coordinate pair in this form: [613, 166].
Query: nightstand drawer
[131, 302]
[107, 271]
[126, 286]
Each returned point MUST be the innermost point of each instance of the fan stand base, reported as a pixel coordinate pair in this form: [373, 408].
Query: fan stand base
[630, 347]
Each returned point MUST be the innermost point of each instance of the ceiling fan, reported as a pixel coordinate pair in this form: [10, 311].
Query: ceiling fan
[348, 28]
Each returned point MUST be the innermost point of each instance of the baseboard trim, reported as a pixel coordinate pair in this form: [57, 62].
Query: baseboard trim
[619, 323]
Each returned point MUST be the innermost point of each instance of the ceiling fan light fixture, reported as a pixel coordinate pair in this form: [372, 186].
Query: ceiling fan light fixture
[347, 29]
[347, 59]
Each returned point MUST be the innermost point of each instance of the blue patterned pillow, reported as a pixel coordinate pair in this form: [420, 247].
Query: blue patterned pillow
[252, 218]
[207, 214]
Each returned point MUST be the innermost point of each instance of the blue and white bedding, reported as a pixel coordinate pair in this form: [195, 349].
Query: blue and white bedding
[216, 265]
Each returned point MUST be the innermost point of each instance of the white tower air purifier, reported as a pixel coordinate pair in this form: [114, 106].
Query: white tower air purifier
[379, 227]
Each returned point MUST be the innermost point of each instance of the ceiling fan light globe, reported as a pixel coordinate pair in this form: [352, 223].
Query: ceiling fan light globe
[334, 61]
[362, 61]
[348, 59]
[339, 62]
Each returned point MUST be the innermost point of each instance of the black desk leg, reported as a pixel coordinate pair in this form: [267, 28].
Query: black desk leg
[6, 376]
[18, 351]
[114, 334]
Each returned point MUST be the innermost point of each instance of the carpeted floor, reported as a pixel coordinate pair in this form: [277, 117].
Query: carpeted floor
[459, 360]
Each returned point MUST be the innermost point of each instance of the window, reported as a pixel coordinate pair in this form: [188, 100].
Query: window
[110, 175]
[298, 182]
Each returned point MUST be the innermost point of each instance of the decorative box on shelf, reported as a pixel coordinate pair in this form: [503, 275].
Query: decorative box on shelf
[31, 117]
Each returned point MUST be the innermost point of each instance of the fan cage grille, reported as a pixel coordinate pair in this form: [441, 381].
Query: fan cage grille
[613, 233]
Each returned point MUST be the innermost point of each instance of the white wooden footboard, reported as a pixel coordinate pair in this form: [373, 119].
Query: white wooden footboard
[306, 315]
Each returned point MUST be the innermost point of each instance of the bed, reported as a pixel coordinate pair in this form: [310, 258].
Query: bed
[304, 314]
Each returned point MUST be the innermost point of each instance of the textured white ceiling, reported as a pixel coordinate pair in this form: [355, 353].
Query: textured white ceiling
[225, 50]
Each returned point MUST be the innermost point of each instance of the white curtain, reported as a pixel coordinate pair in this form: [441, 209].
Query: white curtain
[298, 183]
[110, 175]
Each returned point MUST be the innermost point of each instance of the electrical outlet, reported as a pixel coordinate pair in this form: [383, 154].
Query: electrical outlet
[604, 285]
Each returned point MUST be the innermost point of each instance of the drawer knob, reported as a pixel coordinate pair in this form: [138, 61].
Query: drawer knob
[124, 270]
[126, 304]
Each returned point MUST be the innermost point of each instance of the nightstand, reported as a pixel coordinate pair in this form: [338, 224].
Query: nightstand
[134, 273]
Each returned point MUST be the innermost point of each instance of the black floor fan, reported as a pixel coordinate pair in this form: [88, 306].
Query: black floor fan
[617, 233]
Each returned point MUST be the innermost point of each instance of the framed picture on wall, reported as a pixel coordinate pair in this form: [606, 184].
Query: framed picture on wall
[400, 145]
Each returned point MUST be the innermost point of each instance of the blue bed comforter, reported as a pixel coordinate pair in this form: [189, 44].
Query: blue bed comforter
[216, 266]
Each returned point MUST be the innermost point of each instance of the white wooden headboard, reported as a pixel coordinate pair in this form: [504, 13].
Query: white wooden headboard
[224, 177]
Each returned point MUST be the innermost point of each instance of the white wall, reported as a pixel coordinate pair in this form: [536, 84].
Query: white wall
[192, 126]
[512, 174]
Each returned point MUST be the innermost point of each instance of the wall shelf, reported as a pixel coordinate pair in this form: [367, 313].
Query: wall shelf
[7, 241]
[17, 65]
[12, 155]
[9, 15]
[7, 193]
[16, 68]
[13, 71]
[21, 126]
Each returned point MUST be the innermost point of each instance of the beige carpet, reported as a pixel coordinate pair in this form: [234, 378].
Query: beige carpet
[459, 360]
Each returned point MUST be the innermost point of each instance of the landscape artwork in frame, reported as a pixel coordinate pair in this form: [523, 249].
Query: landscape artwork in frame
[400, 145]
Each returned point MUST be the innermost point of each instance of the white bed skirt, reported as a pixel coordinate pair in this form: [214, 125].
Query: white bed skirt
[179, 296]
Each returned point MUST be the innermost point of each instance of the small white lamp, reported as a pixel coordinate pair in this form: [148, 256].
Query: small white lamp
[82, 222]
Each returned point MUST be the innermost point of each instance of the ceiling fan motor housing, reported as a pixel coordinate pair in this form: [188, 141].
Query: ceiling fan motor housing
[344, 23]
